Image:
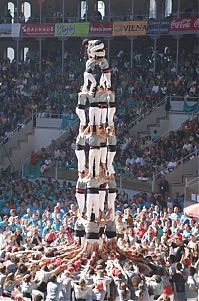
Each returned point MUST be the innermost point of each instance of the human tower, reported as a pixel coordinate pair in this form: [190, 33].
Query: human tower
[96, 174]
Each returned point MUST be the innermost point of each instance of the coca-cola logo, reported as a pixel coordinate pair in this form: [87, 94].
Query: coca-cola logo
[181, 24]
[196, 23]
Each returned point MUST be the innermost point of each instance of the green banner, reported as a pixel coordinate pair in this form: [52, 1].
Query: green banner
[71, 29]
[191, 108]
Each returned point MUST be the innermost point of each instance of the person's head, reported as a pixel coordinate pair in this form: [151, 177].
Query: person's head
[53, 278]
[192, 271]
[175, 209]
[82, 282]
[38, 298]
[123, 286]
[172, 258]
[85, 43]
[157, 278]
[27, 278]
[179, 266]
[92, 217]
[192, 237]
[45, 268]
[10, 277]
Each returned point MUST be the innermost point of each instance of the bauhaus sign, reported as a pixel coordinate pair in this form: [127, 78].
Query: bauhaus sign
[130, 28]
[30, 30]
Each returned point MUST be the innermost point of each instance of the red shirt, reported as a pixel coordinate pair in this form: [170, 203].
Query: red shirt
[140, 232]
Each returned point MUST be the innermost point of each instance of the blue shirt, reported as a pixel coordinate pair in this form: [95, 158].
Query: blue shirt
[2, 225]
[5, 210]
[27, 216]
[56, 227]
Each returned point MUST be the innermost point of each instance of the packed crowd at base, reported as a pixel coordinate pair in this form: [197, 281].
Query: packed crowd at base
[43, 258]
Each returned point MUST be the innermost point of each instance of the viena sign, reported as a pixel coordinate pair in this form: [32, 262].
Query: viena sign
[131, 28]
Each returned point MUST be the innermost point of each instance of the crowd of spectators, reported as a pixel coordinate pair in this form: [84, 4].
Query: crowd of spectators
[142, 157]
[135, 158]
[52, 16]
[56, 16]
[37, 244]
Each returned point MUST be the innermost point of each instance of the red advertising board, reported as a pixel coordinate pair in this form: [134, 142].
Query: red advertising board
[184, 24]
[38, 30]
[101, 28]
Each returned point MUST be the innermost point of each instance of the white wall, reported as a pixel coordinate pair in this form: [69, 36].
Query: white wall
[48, 122]
[44, 136]
[176, 119]
[178, 105]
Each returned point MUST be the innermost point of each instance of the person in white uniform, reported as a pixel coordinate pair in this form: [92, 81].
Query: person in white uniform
[111, 188]
[111, 108]
[94, 154]
[94, 113]
[111, 150]
[81, 194]
[92, 201]
[88, 76]
[105, 79]
[102, 188]
[93, 48]
[80, 152]
[103, 105]
[94, 140]
[80, 109]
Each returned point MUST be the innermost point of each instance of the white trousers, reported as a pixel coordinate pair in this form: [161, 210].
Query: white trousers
[103, 155]
[81, 159]
[110, 158]
[105, 80]
[102, 195]
[94, 115]
[80, 201]
[88, 77]
[111, 112]
[94, 154]
[111, 204]
[82, 116]
[80, 239]
[103, 115]
[92, 203]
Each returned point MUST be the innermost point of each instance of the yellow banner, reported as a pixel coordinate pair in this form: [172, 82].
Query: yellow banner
[130, 28]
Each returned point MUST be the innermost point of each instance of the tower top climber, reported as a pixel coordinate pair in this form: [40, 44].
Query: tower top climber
[93, 49]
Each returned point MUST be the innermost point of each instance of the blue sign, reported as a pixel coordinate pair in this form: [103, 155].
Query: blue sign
[158, 27]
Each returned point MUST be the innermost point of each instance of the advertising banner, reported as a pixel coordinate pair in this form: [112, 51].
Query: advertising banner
[130, 28]
[184, 24]
[158, 27]
[71, 29]
[39, 30]
[10, 30]
[191, 108]
[101, 29]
